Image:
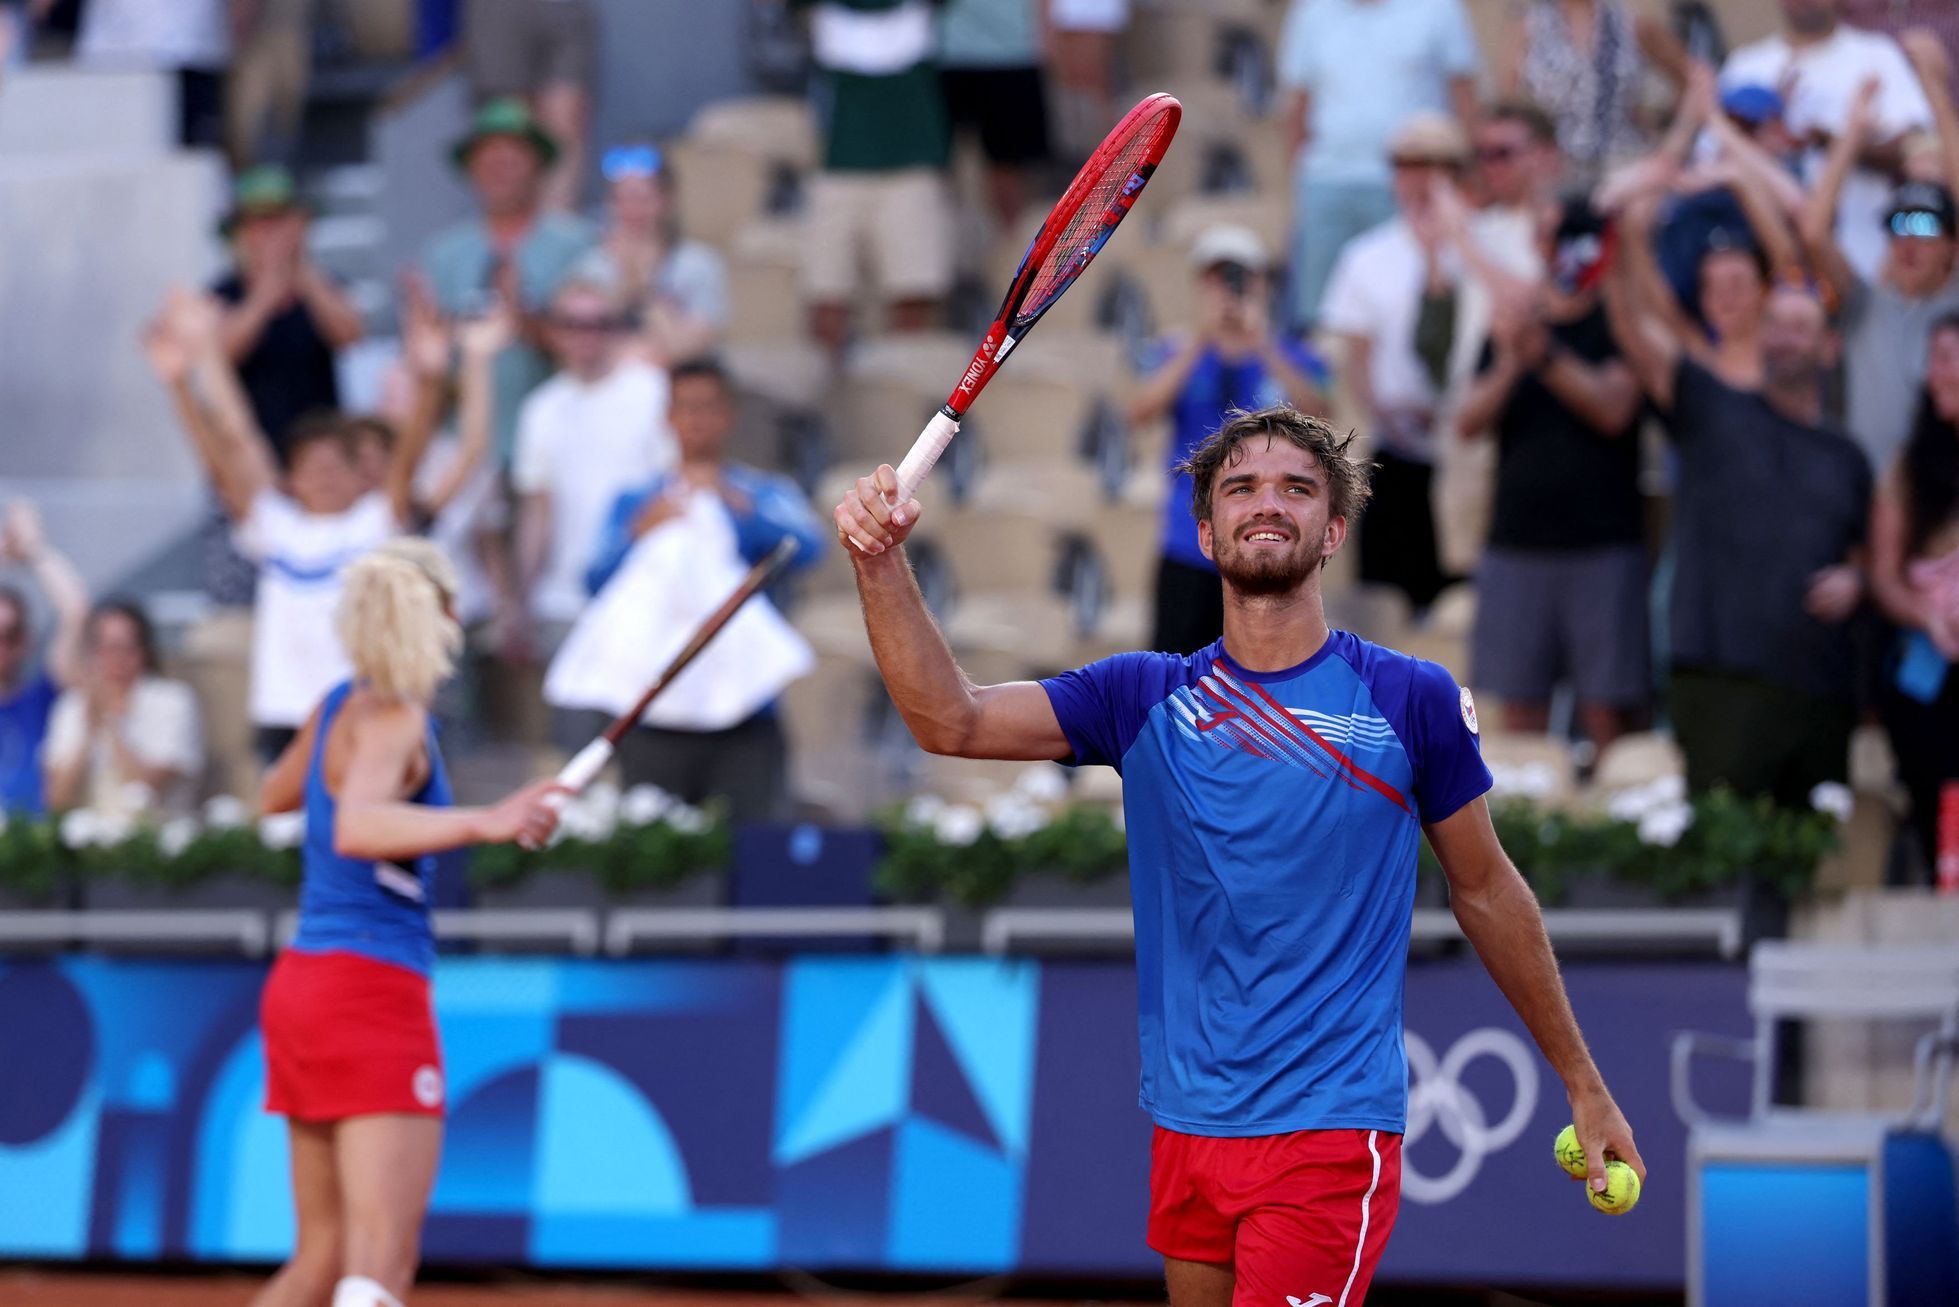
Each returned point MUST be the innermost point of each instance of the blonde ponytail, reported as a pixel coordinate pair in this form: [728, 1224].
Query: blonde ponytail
[394, 619]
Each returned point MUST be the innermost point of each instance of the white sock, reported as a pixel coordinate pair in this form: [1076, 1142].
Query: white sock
[359, 1291]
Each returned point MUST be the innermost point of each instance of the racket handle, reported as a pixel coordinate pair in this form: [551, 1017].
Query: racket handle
[924, 453]
[587, 763]
[575, 775]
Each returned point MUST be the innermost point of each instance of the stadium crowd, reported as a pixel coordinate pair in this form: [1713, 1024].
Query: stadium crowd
[1655, 343]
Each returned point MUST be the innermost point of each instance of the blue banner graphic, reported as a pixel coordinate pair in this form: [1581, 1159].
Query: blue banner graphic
[958, 1115]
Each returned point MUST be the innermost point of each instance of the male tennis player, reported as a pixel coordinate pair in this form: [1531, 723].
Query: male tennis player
[1277, 785]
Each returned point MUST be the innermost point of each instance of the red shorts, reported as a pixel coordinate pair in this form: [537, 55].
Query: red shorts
[345, 1036]
[1301, 1218]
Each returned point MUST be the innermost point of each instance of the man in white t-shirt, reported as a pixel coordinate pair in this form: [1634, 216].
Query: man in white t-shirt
[302, 536]
[1374, 304]
[595, 430]
[1819, 63]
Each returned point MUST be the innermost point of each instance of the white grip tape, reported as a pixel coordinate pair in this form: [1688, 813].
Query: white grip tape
[584, 765]
[924, 453]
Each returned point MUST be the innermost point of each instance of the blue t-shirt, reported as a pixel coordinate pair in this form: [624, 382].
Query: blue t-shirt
[379, 910]
[1274, 820]
[23, 725]
[1214, 388]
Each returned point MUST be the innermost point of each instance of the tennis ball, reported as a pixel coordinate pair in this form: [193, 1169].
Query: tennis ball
[1621, 1190]
[1570, 1156]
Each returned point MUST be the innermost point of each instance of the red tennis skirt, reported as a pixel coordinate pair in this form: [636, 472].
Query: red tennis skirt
[345, 1036]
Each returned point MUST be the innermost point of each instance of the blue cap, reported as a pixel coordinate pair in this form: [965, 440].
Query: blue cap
[1753, 104]
[631, 161]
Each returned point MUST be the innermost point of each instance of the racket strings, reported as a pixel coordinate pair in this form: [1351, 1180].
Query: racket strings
[1098, 212]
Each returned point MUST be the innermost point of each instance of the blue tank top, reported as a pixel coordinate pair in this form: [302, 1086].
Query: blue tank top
[358, 905]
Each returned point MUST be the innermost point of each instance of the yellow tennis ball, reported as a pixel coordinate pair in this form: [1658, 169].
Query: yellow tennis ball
[1621, 1190]
[1570, 1156]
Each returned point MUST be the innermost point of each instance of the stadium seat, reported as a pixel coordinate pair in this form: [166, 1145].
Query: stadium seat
[1533, 766]
[1269, 215]
[833, 763]
[765, 297]
[1637, 759]
[774, 126]
[1373, 612]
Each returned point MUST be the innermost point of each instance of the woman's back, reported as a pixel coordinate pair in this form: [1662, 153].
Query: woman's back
[375, 908]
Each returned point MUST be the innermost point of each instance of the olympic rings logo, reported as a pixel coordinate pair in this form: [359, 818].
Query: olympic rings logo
[1436, 1096]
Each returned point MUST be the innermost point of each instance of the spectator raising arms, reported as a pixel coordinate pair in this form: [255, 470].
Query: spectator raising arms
[125, 741]
[1822, 62]
[1887, 319]
[1356, 70]
[593, 431]
[1231, 359]
[1915, 579]
[28, 693]
[881, 189]
[514, 252]
[674, 288]
[302, 536]
[746, 764]
[1769, 521]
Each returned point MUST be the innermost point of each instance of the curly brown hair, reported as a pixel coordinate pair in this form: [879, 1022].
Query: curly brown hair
[1349, 479]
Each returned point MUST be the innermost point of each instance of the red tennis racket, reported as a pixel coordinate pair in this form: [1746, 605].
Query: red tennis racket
[1075, 231]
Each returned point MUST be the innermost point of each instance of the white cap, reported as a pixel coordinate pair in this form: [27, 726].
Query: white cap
[1227, 242]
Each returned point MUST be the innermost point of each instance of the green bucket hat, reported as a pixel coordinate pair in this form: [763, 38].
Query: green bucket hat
[506, 117]
[259, 192]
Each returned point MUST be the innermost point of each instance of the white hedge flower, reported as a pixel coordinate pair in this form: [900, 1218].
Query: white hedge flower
[1013, 817]
[175, 835]
[1833, 798]
[584, 820]
[225, 812]
[602, 798]
[282, 830]
[643, 805]
[1663, 827]
[687, 819]
[924, 810]
[1636, 801]
[81, 828]
[1042, 784]
[959, 824]
[1530, 780]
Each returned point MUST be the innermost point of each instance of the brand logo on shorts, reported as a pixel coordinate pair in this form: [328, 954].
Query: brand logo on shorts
[428, 1086]
[1313, 1300]
[1469, 711]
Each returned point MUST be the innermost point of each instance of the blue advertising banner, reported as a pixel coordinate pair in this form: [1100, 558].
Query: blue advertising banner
[889, 1113]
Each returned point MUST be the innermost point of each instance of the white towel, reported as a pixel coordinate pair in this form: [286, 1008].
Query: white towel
[674, 576]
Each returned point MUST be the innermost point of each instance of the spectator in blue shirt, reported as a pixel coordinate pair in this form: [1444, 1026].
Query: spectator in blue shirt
[747, 764]
[1233, 360]
[27, 692]
[515, 250]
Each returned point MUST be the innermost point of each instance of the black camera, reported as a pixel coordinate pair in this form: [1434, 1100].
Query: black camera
[1236, 277]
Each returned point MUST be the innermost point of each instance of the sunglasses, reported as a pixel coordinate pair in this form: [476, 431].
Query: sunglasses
[571, 322]
[631, 161]
[1917, 222]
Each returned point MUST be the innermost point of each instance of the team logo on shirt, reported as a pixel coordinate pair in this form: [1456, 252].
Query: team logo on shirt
[428, 1086]
[1469, 711]
[398, 881]
[1243, 716]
